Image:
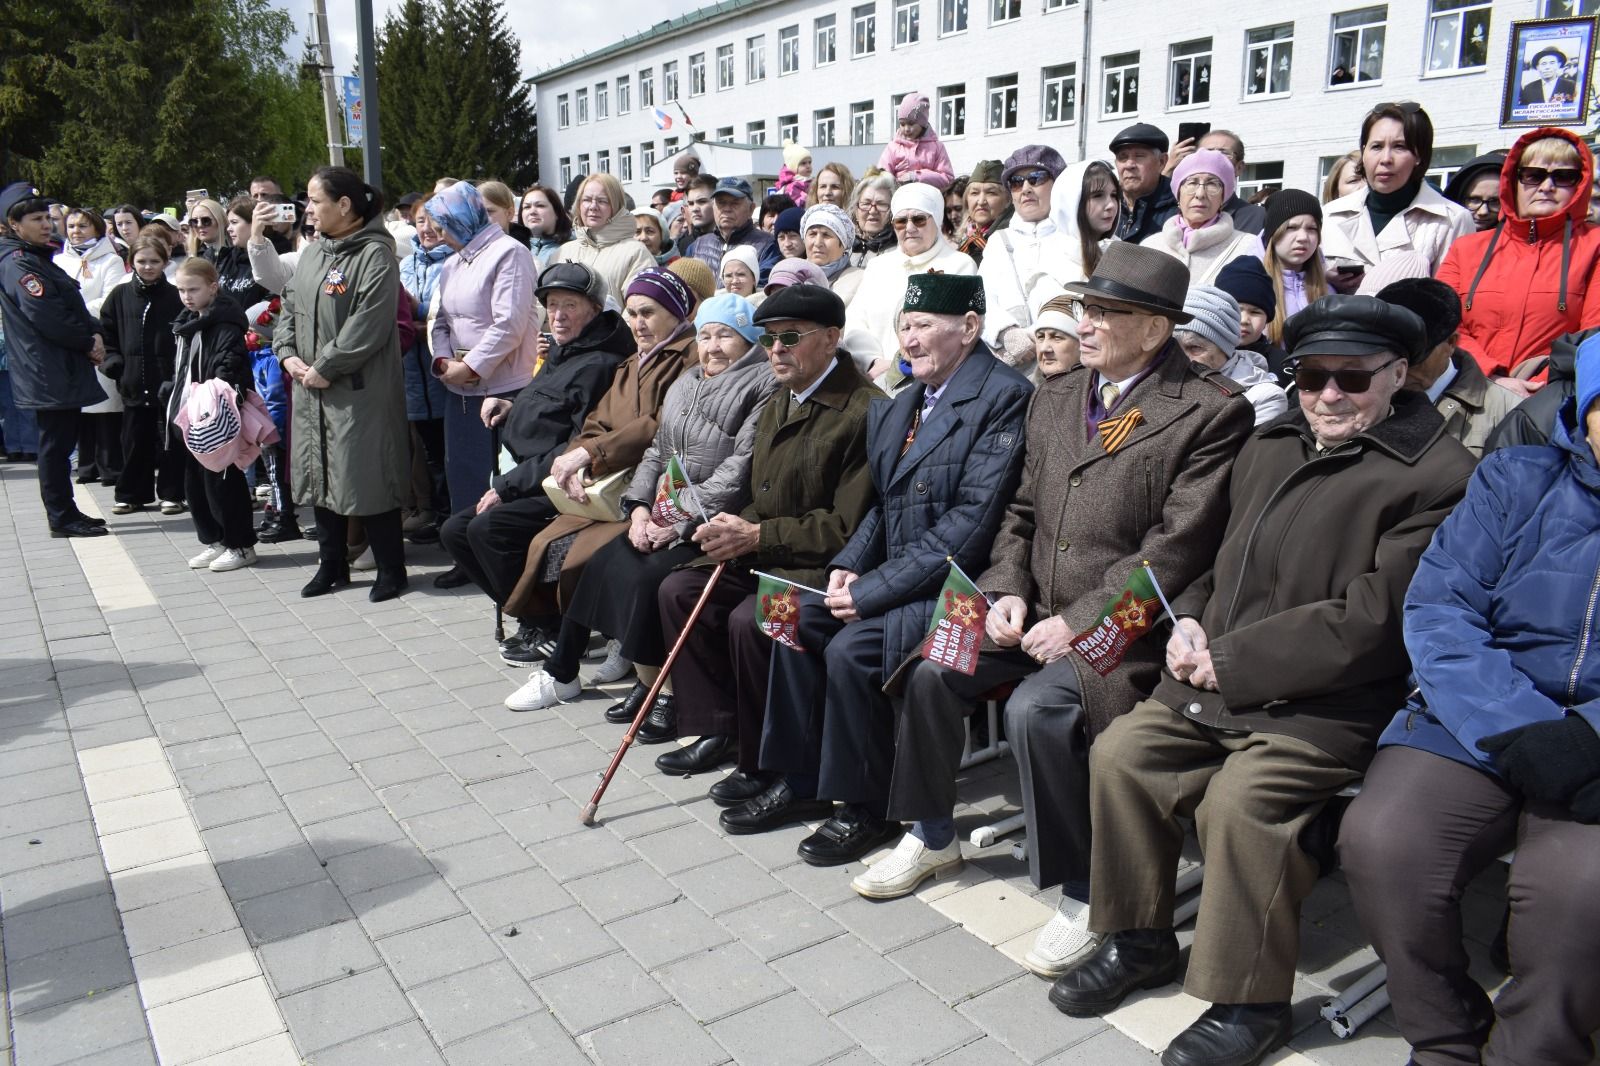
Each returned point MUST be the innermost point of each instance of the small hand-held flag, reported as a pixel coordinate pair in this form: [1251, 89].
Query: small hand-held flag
[952, 641]
[778, 608]
[668, 509]
[1125, 619]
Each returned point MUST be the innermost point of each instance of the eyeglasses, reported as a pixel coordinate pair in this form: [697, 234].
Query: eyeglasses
[872, 206]
[595, 201]
[1478, 203]
[918, 220]
[202, 221]
[788, 338]
[1310, 379]
[1563, 177]
[1202, 186]
[1034, 178]
[1095, 314]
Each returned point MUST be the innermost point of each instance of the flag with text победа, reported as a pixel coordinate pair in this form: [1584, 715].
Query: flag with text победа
[1124, 620]
[952, 641]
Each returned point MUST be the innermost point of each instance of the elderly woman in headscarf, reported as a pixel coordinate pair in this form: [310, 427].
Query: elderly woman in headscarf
[829, 235]
[603, 235]
[1201, 235]
[485, 335]
[987, 204]
[871, 321]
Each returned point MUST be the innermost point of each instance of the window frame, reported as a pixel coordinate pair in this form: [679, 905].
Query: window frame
[564, 113]
[1065, 79]
[580, 105]
[956, 128]
[1271, 47]
[755, 132]
[602, 161]
[955, 17]
[824, 137]
[566, 171]
[1003, 85]
[911, 25]
[724, 135]
[755, 59]
[1110, 66]
[866, 109]
[624, 95]
[1253, 180]
[647, 157]
[1436, 15]
[1360, 30]
[697, 74]
[669, 82]
[863, 16]
[647, 87]
[789, 128]
[824, 27]
[995, 5]
[724, 84]
[625, 162]
[602, 101]
[1192, 60]
[789, 50]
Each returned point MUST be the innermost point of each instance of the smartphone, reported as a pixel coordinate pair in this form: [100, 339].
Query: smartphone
[1346, 266]
[283, 213]
[549, 338]
[197, 194]
[1188, 131]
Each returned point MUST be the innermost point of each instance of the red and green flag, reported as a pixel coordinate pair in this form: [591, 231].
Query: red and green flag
[668, 510]
[1125, 619]
[952, 641]
[778, 608]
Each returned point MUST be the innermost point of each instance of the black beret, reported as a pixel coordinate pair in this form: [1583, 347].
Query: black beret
[1355, 325]
[803, 303]
[1432, 300]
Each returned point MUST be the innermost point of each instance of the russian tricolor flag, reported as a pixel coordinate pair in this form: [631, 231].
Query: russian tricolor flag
[663, 120]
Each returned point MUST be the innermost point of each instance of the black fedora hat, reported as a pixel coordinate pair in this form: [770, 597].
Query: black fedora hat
[1139, 277]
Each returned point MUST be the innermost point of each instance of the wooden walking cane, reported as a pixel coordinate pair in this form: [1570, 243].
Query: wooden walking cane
[587, 817]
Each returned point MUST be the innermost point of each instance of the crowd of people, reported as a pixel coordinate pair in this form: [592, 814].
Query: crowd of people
[1355, 435]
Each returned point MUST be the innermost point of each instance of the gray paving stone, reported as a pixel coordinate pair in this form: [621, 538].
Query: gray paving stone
[40, 784]
[457, 739]
[1019, 1014]
[307, 959]
[451, 826]
[839, 973]
[681, 848]
[349, 722]
[537, 825]
[621, 891]
[472, 1001]
[384, 864]
[25, 851]
[257, 836]
[553, 942]
[424, 796]
[289, 722]
[258, 875]
[118, 732]
[32, 815]
[338, 836]
[199, 727]
[73, 973]
[293, 910]
[889, 924]
[214, 777]
[516, 898]
[955, 965]
[723, 885]
[312, 773]
[537, 1038]
[405, 905]
[404, 1045]
[64, 925]
[481, 860]
[330, 801]
[87, 1026]
[780, 926]
[1108, 1048]
[667, 934]
[438, 950]
[412, 765]
[206, 752]
[47, 886]
[720, 981]
[514, 793]
[41, 756]
[370, 745]
[291, 749]
[485, 764]
[786, 1031]
[342, 1010]
[984, 1052]
[235, 805]
[665, 1036]
[595, 993]
[906, 1024]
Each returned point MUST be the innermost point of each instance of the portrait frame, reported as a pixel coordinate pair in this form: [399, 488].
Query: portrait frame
[1523, 99]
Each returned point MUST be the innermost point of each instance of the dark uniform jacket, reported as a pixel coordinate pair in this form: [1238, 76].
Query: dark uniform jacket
[1303, 608]
[49, 331]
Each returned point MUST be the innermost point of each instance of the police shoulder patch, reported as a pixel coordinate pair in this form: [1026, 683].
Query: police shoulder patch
[32, 285]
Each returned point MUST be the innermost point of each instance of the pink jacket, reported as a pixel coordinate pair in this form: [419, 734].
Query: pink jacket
[793, 185]
[922, 160]
[484, 307]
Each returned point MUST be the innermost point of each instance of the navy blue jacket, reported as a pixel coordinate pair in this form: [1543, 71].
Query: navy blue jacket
[944, 497]
[1505, 604]
[49, 331]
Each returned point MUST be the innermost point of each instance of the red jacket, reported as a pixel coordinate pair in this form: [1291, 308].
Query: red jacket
[1527, 281]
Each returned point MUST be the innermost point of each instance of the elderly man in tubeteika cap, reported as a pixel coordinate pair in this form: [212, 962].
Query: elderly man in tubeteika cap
[1128, 456]
[1286, 665]
[810, 487]
[945, 457]
[1026, 263]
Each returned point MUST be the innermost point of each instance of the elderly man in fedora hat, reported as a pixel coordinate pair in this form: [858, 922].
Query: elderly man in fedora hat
[945, 457]
[1287, 662]
[1127, 460]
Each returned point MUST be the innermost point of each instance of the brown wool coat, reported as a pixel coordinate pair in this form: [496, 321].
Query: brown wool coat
[1083, 520]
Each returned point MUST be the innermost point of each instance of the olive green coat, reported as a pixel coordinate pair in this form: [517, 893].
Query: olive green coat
[349, 444]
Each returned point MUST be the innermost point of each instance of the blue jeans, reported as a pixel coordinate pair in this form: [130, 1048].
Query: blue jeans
[21, 428]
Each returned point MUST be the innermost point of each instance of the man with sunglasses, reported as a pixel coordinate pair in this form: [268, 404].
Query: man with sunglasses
[809, 488]
[1025, 263]
[1286, 665]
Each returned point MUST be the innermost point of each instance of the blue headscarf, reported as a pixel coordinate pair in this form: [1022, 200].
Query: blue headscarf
[458, 211]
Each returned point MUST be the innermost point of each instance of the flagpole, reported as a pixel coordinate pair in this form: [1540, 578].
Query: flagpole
[1165, 606]
[786, 581]
[952, 561]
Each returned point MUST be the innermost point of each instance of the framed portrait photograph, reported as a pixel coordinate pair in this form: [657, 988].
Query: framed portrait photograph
[1548, 73]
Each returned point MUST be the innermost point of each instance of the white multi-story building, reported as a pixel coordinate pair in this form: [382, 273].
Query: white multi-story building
[1294, 78]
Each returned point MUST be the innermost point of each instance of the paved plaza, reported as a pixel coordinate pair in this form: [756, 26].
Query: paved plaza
[248, 829]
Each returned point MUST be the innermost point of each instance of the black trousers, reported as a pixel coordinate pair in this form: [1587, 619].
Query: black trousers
[100, 446]
[1422, 828]
[492, 547]
[826, 712]
[58, 435]
[1045, 726]
[152, 458]
[219, 504]
[720, 678]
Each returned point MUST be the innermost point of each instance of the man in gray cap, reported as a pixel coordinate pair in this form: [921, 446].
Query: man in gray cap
[1147, 199]
[733, 212]
[1025, 263]
[1287, 663]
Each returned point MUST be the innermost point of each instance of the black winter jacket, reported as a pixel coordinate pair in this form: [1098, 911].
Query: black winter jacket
[49, 331]
[235, 275]
[136, 321]
[212, 346]
[1533, 420]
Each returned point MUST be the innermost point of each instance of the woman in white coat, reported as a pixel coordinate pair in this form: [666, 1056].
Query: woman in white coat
[1025, 265]
[92, 260]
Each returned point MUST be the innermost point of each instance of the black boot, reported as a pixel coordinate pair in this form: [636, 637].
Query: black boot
[453, 578]
[1231, 1034]
[627, 710]
[1124, 962]
[661, 724]
[391, 582]
[331, 574]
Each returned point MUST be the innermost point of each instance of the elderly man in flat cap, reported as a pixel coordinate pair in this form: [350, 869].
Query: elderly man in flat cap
[1025, 264]
[1128, 456]
[810, 488]
[1287, 663]
[945, 456]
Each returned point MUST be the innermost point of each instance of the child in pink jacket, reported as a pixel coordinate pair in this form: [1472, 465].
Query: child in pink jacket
[794, 177]
[915, 152]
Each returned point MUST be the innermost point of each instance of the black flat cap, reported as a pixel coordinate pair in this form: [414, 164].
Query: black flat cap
[803, 303]
[1141, 133]
[1355, 325]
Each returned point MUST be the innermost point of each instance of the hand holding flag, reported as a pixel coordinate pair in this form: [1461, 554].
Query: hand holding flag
[955, 636]
[778, 608]
[668, 509]
[1125, 619]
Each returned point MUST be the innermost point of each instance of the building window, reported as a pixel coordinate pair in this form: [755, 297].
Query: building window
[725, 67]
[625, 163]
[647, 157]
[952, 110]
[1563, 9]
[624, 95]
[1191, 73]
[822, 125]
[788, 128]
[697, 74]
[669, 81]
[1058, 5]
[1120, 83]
[1268, 60]
[1003, 103]
[755, 59]
[755, 132]
[864, 30]
[1004, 10]
[583, 163]
[861, 123]
[602, 96]
[582, 96]
[907, 22]
[827, 40]
[1257, 177]
[563, 112]
[647, 88]
[669, 147]
[953, 17]
[788, 50]
[566, 171]
[725, 134]
[1447, 161]
[1357, 53]
[602, 160]
[1458, 35]
[1059, 95]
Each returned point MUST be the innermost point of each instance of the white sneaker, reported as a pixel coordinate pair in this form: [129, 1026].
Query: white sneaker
[233, 559]
[1064, 942]
[541, 691]
[364, 561]
[615, 668]
[172, 507]
[906, 867]
[210, 555]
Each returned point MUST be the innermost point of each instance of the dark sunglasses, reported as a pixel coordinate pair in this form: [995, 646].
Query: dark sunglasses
[202, 221]
[1309, 379]
[1405, 107]
[914, 220]
[1563, 177]
[1035, 178]
[789, 337]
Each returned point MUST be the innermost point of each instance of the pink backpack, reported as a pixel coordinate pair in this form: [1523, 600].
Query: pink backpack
[218, 430]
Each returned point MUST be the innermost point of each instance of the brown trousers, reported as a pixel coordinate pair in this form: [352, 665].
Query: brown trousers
[1250, 795]
[1421, 829]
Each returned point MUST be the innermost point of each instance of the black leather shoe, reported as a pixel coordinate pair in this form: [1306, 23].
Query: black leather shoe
[702, 756]
[278, 532]
[1231, 1034]
[849, 835]
[391, 582]
[91, 521]
[453, 578]
[1124, 962]
[624, 712]
[425, 535]
[739, 787]
[661, 724]
[329, 576]
[776, 807]
[78, 527]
